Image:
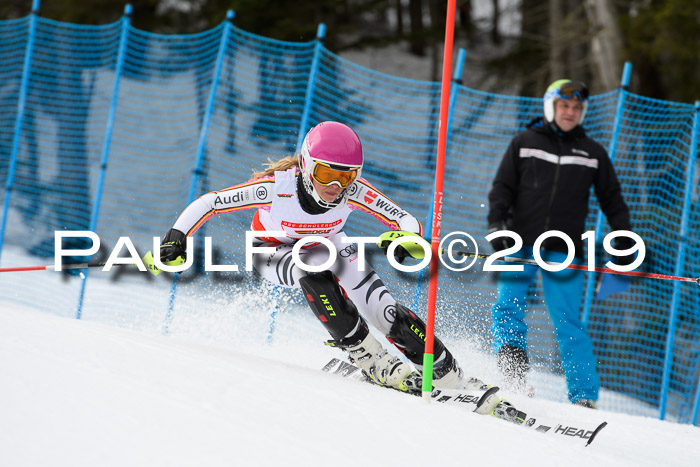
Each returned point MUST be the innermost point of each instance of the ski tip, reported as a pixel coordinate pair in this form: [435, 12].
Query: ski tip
[595, 432]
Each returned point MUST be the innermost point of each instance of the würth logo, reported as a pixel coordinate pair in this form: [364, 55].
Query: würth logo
[370, 196]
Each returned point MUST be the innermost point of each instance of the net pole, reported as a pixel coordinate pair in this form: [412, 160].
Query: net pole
[21, 105]
[303, 124]
[311, 84]
[612, 152]
[428, 357]
[680, 262]
[107, 142]
[197, 170]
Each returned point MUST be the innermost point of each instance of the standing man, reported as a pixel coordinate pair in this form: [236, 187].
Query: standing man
[543, 184]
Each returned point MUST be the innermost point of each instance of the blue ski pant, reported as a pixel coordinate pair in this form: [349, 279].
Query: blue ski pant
[563, 291]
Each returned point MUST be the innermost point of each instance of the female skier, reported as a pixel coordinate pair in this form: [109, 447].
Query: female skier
[313, 193]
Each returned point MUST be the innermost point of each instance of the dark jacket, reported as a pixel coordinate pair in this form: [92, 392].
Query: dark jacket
[544, 181]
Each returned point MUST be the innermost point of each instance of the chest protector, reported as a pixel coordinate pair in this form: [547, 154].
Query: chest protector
[285, 213]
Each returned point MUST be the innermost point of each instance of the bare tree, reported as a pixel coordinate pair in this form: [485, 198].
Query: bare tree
[438, 17]
[464, 13]
[398, 4]
[606, 43]
[417, 34]
[495, 33]
[557, 64]
[533, 51]
[568, 41]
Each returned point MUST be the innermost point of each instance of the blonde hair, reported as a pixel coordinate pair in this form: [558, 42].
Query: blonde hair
[281, 165]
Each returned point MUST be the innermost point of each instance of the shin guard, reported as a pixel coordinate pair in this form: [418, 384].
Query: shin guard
[408, 335]
[330, 305]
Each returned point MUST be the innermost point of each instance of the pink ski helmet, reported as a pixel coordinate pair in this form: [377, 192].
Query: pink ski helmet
[330, 153]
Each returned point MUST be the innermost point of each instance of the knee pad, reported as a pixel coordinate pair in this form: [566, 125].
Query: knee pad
[331, 306]
[408, 335]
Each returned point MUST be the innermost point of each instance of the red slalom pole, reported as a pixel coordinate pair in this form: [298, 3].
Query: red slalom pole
[52, 267]
[428, 357]
[28, 268]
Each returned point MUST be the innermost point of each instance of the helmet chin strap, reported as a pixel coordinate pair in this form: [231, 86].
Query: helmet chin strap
[337, 202]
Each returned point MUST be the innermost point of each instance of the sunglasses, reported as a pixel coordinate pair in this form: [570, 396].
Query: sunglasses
[573, 90]
[325, 175]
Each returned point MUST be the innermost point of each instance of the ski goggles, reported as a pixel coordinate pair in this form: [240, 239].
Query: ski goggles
[573, 90]
[325, 175]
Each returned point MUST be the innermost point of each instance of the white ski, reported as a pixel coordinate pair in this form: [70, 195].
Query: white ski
[472, 400]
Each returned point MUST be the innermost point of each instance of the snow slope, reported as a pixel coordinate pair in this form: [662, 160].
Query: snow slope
[81, 393]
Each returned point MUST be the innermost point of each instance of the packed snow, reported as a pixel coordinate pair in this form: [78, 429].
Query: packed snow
[96, 392]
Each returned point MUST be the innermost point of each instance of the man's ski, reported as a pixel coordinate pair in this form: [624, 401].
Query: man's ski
[472, 400]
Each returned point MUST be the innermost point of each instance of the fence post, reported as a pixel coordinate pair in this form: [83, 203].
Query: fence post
[454, 91]
[308, 98]
[696, 135]
[202, 147]
[612, 150]
[21, 103]
[680, 262]
[126, 23]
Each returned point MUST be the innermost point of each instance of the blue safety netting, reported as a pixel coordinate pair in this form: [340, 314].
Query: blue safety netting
[113, 129]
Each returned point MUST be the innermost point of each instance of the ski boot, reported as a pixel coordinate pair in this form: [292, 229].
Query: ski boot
[447, 374]
[378, 365]
[588, 403]
[505, 411]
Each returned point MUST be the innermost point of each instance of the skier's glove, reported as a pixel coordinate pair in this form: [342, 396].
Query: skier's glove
[172, 252]
[173, 247]
[500, 243]
[624, 243]
[406, 249]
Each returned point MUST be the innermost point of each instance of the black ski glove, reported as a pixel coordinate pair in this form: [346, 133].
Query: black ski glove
[500, 243]
[400, 252]
[173, 246]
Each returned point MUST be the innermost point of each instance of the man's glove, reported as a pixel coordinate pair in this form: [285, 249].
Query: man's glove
[404, 250]
[173, 246]
[500, 243]
[623, 243]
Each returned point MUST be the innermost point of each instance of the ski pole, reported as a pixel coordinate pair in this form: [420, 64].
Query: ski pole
[147, 261]
[52, 267]
[582, 267]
